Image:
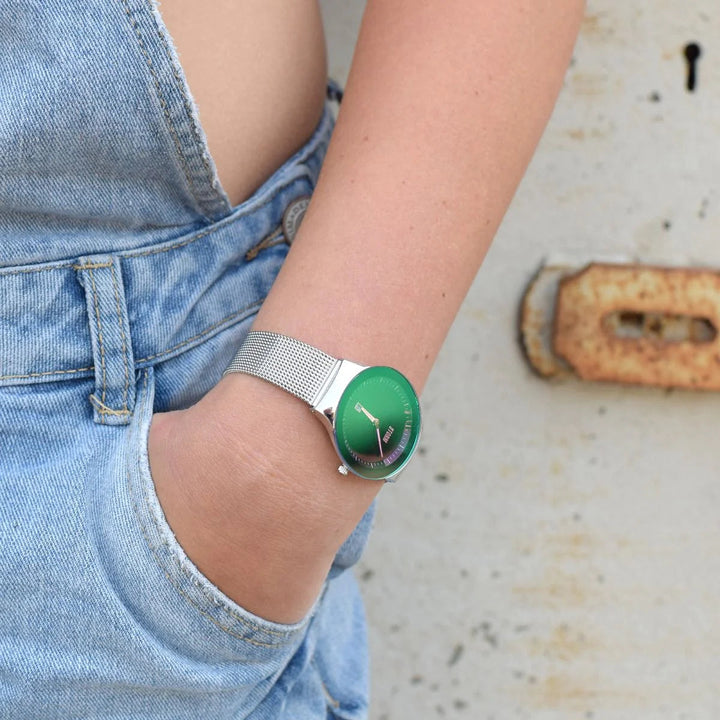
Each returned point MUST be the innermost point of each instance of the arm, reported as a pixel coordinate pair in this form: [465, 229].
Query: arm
[444, 106]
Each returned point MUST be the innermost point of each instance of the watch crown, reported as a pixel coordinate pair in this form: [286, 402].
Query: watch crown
[343, 470]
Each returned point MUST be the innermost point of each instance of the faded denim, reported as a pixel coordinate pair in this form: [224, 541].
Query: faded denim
[125, 290]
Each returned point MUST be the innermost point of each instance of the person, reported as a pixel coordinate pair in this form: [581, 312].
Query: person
[175, 540]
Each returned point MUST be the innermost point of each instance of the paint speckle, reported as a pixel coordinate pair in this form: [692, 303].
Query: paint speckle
[485, 629]
[457, 653]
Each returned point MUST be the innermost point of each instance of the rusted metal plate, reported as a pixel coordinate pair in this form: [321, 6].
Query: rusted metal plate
[641, 325]
[536, 321]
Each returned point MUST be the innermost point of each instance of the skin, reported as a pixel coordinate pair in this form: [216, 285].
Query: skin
[444, 106]
[257, 70]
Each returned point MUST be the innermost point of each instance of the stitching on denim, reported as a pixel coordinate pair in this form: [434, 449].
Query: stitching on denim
[25, 271]
[99, 334]
[215, 227]
[183, 594]
[251, 626]
[66, 266]
[330, 700]
[198, 586]
[122, 335]
[181, 87]
[205, 331]
[161, 99]
[335, 704]
[91, 266]
[104, 409]
[276, 237]
[46, 372]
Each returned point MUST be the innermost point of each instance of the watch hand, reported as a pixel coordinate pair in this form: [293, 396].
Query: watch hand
[372, 419]
[377, 430]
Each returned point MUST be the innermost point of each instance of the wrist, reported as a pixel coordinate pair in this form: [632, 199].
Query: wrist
[275, 433]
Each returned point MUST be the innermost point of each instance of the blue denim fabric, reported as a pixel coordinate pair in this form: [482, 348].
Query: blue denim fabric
[125, 290]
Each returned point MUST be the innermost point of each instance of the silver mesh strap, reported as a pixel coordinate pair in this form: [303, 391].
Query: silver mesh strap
[292, 365]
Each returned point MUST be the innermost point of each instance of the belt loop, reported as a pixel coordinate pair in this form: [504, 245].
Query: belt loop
[114, 398]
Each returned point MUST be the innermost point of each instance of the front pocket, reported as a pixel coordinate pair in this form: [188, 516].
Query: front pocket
[190, 584]
[196, 639]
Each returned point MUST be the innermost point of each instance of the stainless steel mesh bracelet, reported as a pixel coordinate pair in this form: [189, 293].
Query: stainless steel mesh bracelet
[301, 369]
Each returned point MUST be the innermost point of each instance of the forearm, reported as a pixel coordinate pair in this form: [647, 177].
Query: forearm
[443, 108]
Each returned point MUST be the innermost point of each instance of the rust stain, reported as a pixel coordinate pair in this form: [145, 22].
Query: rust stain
[476, 314]
[508, 471]
[597, 26]
[557, 590]
[562, 644]
[556, 690]
[573, 546]
[591, 84]
[567, 692]
[536, 313]
[590, 23]
[564, 491]
[580, 134]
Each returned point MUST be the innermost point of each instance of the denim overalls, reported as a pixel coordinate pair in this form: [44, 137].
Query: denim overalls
[127, 282]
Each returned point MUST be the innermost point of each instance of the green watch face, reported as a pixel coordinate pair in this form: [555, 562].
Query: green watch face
[377, 424]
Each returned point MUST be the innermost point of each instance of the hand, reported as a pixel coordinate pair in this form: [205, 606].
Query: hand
[260, 511]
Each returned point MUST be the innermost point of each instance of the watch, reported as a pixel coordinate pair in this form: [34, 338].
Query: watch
[371, 413]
